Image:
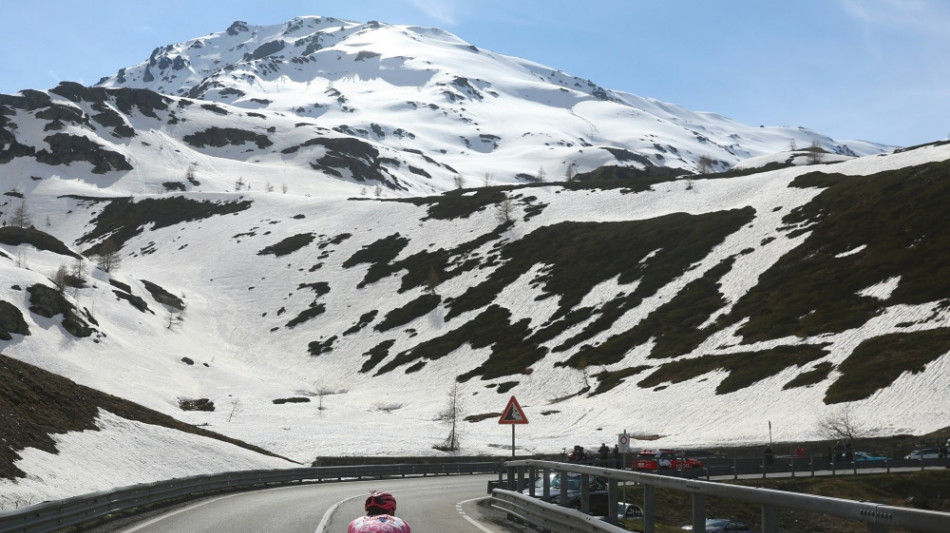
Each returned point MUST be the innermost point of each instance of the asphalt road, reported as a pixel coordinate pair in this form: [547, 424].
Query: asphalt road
[429, 504]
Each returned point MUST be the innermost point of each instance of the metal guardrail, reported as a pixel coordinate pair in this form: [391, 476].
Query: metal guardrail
[57, 515]
[549, 516]
[879, 518]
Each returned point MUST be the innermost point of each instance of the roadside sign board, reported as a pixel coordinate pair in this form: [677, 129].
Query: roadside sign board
[513, 414]
[623, 442]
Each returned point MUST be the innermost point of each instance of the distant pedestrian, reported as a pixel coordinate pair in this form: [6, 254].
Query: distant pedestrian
[603, 453]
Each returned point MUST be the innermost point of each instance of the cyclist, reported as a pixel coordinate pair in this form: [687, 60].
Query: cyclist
[380, 516]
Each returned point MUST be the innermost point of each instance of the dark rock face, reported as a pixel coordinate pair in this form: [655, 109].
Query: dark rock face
[265, 50]
[11, 321]
[15, 236]
[237, 27]
[48, 302]
[197, 404]
[219, 137]
[66, 149]
[162, 296]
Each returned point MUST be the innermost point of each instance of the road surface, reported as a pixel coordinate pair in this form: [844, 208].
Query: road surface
[429, 504]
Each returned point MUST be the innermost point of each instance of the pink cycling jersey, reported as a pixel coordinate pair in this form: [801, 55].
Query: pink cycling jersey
[382, 523]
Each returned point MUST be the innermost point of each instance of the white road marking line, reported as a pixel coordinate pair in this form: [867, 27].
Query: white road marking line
[458, 507]
[171, 514]
[321, 527]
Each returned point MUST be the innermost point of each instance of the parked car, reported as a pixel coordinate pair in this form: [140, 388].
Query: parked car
[865, 456]
[722, 525]
[629, 511]
[597, 492]
[661, 459]
[923, 453]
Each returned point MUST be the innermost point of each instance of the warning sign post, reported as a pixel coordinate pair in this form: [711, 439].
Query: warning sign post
[513, 415]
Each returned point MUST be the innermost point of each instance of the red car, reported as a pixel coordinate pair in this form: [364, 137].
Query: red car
[658, 459]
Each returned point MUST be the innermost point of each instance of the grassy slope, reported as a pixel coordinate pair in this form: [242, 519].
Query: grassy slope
[36, 404]
[923, 490]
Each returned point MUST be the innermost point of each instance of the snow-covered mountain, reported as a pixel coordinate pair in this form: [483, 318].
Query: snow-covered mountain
[325, 106]
[311, 258]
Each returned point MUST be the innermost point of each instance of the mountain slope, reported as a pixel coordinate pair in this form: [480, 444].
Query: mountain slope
[262, 281]
[624, 300]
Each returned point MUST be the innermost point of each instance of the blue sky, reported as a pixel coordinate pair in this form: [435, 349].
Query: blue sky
[854, 69]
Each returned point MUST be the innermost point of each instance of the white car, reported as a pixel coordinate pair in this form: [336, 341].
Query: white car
[923, 453]
[721, 525]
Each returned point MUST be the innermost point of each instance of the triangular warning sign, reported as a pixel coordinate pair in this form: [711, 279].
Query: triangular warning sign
[513, 413]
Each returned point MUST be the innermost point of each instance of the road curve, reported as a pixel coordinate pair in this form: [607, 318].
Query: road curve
[429, 504]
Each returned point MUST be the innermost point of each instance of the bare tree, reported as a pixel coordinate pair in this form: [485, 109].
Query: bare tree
[235, 406]
[432, 281]
[21, 216]
[79, 269]
[173, 318]
[60, 278]
[706, 164]
[571, 172]
[840, 424]
[452, 415]
[190, 174]
[108, 258]
[504, 211]
[541, 176]
[816, 154]
[458, 180]
[321, 391]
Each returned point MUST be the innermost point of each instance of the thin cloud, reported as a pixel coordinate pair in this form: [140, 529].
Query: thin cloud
[931, 16]
[445, 11]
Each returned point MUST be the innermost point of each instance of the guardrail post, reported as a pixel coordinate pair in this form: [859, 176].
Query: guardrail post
[585, 492]
[811, 463]
[612, 492]
[769, 519]
[562, 494]
[699, 512]
[649, 509]
[546, 484]
[735, 469]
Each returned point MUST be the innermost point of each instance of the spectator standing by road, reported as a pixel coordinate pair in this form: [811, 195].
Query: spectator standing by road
[603, 453]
